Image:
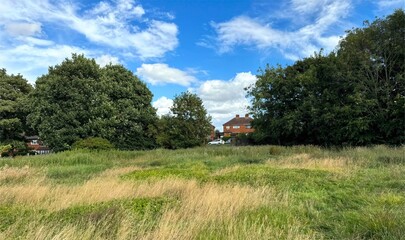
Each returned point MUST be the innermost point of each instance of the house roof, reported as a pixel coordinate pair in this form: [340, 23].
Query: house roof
[239, 121]
[31, 137]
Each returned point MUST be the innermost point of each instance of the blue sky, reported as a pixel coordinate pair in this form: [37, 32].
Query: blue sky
[210, 47]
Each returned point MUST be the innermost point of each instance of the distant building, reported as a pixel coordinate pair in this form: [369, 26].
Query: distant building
[36, 145]
[238, 125]
[212, 133]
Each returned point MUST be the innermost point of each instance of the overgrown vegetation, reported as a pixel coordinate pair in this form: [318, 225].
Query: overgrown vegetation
[222, 192]
[93, 143]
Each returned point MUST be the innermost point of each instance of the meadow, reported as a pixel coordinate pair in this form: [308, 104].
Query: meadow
[218, 192]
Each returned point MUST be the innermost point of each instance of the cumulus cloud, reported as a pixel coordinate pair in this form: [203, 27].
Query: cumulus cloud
[118, 24]
[106, 59]
[224, 99]
[294, 44]
[161, 74]
[26, 30]
[163, 105]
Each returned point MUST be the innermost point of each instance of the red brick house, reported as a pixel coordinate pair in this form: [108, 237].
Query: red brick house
[36, 145]
[238, 125]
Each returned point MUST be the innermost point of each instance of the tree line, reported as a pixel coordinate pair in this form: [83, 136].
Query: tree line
[78, 99]
[354, 95]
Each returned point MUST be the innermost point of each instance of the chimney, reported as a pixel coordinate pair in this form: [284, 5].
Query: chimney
[246, 115]
[237, 115]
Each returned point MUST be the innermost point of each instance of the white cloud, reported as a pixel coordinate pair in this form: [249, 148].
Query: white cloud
[246, 31]
[106, 59]
[160, 74]
[32, 61]
[163, 105]
[224, 99]
[306, 6]
[28, 46]
[118, 24]
[32, 41]
[390, 4]
[23, 29]
[298, 43]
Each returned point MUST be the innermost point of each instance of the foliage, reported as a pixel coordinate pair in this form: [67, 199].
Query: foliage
[5, 150]
[13, 91]
[14, 148]
[93, 143]
[244, 139]
[78, 99]
[354, 96]
[187, 126]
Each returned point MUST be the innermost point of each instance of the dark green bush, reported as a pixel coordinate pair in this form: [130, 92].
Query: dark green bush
[93, 143]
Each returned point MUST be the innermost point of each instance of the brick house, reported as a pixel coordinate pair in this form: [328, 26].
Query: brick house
[238, 125]
[36, 145]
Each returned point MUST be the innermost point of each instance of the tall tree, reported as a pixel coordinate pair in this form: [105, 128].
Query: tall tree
[374, 58]
[187, 126]
[78, 99]
[13, 91]
[132, 120]
[353, 96]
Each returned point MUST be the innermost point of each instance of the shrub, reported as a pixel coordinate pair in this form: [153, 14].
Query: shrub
[243, 139]
[14, 148]
[93, 143]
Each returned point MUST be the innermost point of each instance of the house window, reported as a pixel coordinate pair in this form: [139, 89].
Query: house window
[228, 127]
[248, 126]
[236, 127]
[34, 142]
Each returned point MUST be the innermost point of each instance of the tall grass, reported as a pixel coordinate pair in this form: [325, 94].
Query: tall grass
[265, 192]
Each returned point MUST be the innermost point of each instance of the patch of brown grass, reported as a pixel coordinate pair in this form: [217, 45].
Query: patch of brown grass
[306, 161]
[199, 205]
[202, 204]
[13, 173]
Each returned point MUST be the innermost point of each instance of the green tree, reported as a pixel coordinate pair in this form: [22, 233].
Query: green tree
[374, 62]
[132, 120]
[354, 96]
[77, 99]
[14, 90]
[187, 126]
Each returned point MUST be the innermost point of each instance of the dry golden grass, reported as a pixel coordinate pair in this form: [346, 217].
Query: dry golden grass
[200, 204]
[14, 173]
[305, 161]
[41, 194]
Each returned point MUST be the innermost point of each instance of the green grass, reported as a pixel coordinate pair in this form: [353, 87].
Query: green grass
[307, 192]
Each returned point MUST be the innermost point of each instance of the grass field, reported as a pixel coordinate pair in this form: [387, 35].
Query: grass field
[266, 192]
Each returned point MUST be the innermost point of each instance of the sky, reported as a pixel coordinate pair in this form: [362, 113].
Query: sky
[213, 48]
